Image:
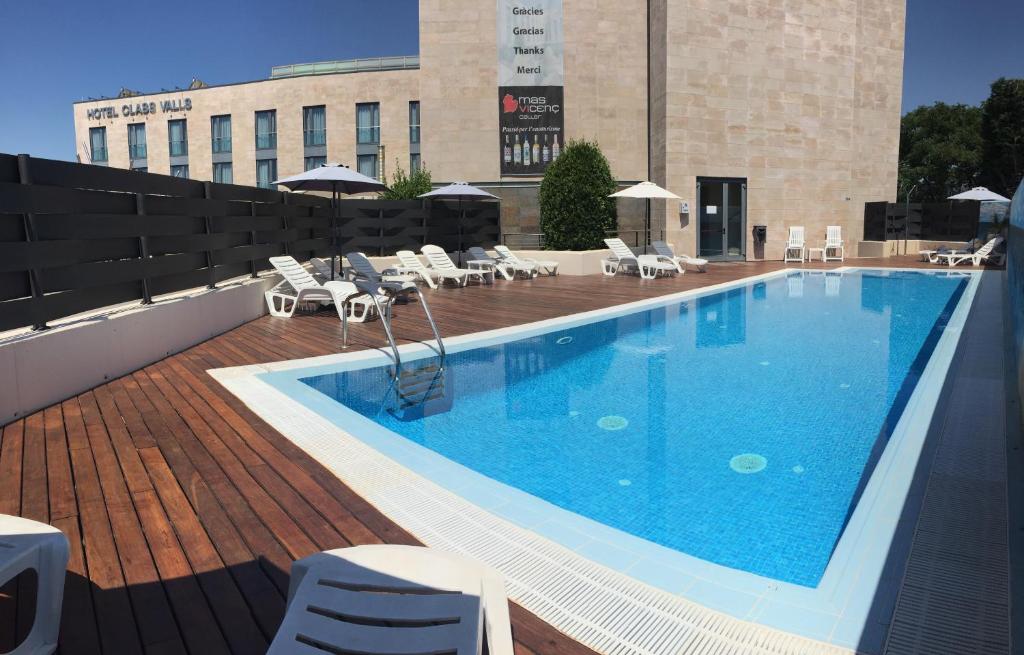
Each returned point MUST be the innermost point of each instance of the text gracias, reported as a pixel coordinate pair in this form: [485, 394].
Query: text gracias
[528, 31]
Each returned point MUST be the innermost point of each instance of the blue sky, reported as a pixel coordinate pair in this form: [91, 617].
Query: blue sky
[54, 52]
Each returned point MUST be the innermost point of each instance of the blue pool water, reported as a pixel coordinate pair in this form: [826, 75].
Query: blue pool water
[735, 427]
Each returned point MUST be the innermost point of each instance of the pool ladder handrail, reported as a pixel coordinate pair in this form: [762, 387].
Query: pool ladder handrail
[393, 290]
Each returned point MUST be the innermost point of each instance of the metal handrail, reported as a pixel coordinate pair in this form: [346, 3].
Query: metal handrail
[393, 289]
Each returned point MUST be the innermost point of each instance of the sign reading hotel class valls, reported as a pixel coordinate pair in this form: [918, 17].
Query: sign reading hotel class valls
[140, 109]
[530, 79]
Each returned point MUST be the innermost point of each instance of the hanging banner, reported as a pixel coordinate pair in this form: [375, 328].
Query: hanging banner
[530, 79]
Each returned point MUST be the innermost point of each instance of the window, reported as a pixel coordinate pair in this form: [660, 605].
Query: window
[314, 162]
[177, 138]
[414, 162]
[222, 172]
[98, 144]
[137, 141]
[266, 173]
[314, 126]
[220, 133]
[179, 170]
[266, 130]
[414, 121]
[368, 123]
[367, 165]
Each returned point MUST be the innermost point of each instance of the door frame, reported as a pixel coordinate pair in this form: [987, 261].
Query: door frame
[725, 256]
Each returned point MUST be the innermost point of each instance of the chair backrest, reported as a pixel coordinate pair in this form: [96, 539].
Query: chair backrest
[505, 253]
[987, 249]
[408, 259]
[438, 258]
[796, 235]
[663, 249]
[294, 273]
[362, 266]
[479, 254]
[619, 248]
[833, 235]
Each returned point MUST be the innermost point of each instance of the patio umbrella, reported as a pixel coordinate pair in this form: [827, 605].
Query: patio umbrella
[337, 179]
[459, 191]
[979, 193]
[645, 190]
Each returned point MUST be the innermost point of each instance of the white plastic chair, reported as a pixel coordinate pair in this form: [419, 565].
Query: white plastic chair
[681, 261]
[649, 266]
[983, 253]
[480, 258]
[305, 288]
[395, 600]
[834, 244]
[446, 269]
[409, 261]
[24, 545]
[795, 243]
[548, 266]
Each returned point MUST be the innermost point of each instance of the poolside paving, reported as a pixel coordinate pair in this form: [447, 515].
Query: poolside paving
[185, 510]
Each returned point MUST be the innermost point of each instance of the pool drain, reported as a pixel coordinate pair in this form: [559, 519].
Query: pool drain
[561, 341]
[748, 463]
[798, 469]
[612, 422]
[624, 482]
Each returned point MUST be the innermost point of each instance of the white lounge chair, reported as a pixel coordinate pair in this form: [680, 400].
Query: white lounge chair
[795, 244]
[446, 269]
[649, 266]
[983, 253]
[833, 244]
[410, 261]
[24, 545]
[508, 267]
[547, 266]
[305, 288]
[663, 249]
[361, 268]
[478, 258]
[395, 600]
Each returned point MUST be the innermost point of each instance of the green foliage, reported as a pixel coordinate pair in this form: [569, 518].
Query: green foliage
[575, 209]
[940, 144]
[407, 187]
[1002, 131]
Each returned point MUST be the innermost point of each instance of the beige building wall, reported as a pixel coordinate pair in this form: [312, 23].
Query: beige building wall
[802, 99]
[338, 92]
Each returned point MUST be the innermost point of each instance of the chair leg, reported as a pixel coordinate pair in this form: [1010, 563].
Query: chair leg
[288, 304]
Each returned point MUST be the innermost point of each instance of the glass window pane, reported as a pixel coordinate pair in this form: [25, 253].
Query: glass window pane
[98, 144]
[414, 122]
[266, 129]
[414, 162]
[314, 162]
[220, 133]
[314, 125]
[137, 141]
[179, 171]
[222, 173]
[367, 165]
[368, 123]
[177, 137]
[266, 173]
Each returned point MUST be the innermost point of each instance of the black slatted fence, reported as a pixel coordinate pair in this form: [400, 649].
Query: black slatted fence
[77, 237]
[930, 221]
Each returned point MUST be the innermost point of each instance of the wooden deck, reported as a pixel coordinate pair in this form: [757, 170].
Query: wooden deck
[184, 510]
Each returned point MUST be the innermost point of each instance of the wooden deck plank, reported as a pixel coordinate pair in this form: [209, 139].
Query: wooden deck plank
[184, 509]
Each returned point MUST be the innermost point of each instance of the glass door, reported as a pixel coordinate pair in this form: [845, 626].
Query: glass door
[722, 213]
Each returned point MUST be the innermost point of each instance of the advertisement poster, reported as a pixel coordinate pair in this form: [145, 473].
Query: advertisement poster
[530, 78]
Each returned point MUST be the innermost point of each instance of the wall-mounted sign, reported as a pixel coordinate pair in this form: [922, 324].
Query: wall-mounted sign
[140, 109]
[530, 78]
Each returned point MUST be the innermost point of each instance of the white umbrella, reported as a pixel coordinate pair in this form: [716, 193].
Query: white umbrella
[979, 193]
[459, 191]
[337, 179]
[646, 190]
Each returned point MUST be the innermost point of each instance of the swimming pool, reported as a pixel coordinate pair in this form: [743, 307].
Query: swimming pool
[717, 444]
[735, 427]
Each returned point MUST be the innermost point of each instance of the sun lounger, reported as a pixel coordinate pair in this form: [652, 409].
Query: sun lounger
[446, 269]
[508, 268]
[361, 268]
[305, 288]
[547, 266]
[795, 244]
[649, 266]
[833, 244]
[410, 262]
[394, 599]
[24, 545]
[663, 249]
[984, 253]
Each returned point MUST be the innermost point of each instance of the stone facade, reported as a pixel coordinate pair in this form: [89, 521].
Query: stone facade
[801, 100]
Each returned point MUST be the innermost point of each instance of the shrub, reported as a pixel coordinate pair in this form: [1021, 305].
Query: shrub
[575, 210]
[407, 187]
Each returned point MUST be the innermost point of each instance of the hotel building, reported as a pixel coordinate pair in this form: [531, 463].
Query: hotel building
[754, 112]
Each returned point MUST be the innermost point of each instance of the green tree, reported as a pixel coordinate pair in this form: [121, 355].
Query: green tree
[407, 187]
[575, 210]
[1002, 133]
[941, 145]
